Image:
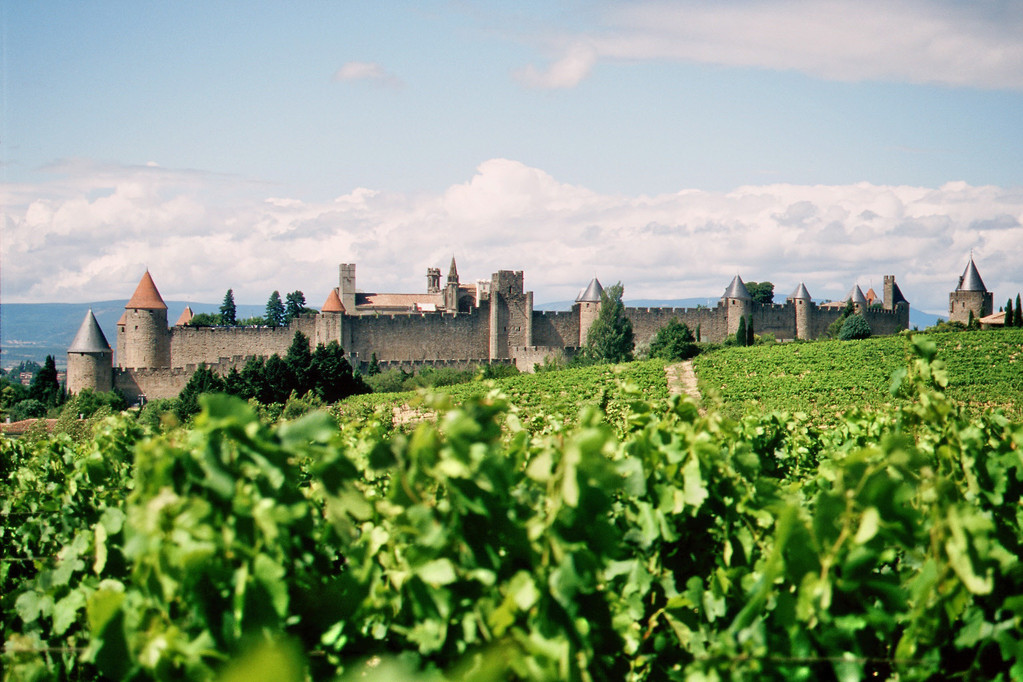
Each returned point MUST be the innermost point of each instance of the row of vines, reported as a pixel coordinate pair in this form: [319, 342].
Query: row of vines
[653, 544]
[821, 379]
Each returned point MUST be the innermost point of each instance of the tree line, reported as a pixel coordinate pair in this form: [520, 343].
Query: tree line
[324, 372]
[279, 312]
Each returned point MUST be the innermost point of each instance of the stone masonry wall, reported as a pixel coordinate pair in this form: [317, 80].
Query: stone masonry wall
[646, 322]
[555, 328]
[192, 345]
[424, 336]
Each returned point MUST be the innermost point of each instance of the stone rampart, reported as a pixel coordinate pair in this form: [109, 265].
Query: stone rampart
[527, 357]
[192, 345]
[416, 337]
[646, 322]
[413, 366]
[555, 328]
[777, 319]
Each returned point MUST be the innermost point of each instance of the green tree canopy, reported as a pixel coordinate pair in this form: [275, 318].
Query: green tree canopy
[295, 306]
[674, 341]
[203, 380]
[204, 320]
[228, 311]
[854, 327]
[761, 292]
[1010, 319]
[610, 338]
[275, 313]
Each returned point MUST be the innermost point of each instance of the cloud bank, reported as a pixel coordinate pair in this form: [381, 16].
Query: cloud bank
[918, 41]
[89, 233]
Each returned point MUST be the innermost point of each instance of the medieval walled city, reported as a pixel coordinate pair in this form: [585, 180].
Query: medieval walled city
[450, 324]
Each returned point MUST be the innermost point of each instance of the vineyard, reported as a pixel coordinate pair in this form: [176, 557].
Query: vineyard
[517, 536]
[985, 370]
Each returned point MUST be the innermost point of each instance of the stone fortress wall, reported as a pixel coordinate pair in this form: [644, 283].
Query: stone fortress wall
[448, 326]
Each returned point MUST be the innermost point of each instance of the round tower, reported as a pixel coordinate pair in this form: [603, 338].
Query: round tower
[146, 336]
[859, 301]
[589, 307]
[970, 296]
[800, 298]
[328, 322]
[90, 360]
[738, 303]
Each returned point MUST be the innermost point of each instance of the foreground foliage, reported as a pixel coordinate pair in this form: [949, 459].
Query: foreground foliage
[661, 545]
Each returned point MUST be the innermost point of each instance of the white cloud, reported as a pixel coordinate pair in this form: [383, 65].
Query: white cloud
[366, 71]
[918, 41]
[89, 233]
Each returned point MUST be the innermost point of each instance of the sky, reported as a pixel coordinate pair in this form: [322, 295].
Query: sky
[666, 145]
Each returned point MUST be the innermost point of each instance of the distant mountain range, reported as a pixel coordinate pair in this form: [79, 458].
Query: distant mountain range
[31, 331]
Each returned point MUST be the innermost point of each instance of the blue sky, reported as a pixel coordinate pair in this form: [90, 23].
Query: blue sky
[666, 144]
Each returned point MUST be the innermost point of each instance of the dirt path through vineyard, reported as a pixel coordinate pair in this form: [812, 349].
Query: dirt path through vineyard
[682, 379]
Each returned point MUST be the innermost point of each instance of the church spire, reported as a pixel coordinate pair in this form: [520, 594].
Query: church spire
[453, 272]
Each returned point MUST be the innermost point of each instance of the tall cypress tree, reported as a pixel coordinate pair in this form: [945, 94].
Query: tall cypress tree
[750, 338]
[275, 313]
[228, 311]
[1010, 319]
[1018, 320]
[740, 333]
[45, 388]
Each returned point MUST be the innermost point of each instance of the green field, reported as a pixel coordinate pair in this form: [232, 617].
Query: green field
[822, 379]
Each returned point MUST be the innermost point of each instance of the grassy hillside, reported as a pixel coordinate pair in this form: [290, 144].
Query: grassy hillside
[985, 369]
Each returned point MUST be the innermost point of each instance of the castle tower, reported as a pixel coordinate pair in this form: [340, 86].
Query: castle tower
[433, 280]
[511, 313]
[589, 307]
[859, 301]
[346, 287]
[185, 317]
[90, 361]
[329, 321]
[451, 290]
[738, 303]
[970, 296]
[893, 295]
[800, 298]
[146, 338]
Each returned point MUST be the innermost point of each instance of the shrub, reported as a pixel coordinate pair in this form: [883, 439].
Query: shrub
[29, 408]
[854, 327]
[674, 341]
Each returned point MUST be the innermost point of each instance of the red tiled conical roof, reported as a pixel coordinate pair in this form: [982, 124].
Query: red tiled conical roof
[146, 297]
[333, 304]
[185, 318]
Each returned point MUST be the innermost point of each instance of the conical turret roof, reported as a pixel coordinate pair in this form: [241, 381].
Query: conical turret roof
[90, 338]
[333, 304]
[737, 289]
[592, 293]
[971, 281]
[146, 297]
[856, 296]
[185, 317]
[453, 271]
[800, 293]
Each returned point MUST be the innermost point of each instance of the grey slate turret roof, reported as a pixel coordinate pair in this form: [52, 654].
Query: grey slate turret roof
[800, 294]
[971, 281]
[90, 338]
[856, 296]
[737, 289]
[592, 293]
